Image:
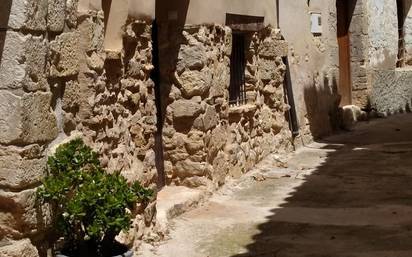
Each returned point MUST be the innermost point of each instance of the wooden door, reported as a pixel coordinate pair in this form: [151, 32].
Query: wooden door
[345, 81]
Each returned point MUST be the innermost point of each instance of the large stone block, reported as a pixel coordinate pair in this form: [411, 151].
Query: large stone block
[192, 57]
[185, 109]
[24, 14]
[195, 83]
[187, 168]
[11, 123]
[65, 55]
[39, 122]
[26, 119]
[21, 168]
[273, 48]
[23, 62]
[22, 248]
[21, 215]
[12, 67]
[56, 15]
[210, 119]
[267, 69]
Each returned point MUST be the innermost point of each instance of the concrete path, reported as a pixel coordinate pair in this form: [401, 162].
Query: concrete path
[350, 195]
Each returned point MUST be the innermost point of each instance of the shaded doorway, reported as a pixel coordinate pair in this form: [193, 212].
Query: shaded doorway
[345, 10]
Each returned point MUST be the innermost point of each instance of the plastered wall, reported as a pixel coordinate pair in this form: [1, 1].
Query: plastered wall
[383, 33]
[313, 63]
[390, 90]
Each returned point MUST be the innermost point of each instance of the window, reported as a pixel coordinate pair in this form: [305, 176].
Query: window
[237, 94]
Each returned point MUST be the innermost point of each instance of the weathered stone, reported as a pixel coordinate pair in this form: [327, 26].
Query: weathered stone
[18, 173]
[35, 62]
[221, 78]
[56, 13]
[210, 118]
[177, 155]
[251, 97]
[220, 167]
[193, 83]
[22, 248]
[216, 140]
[25, 14]
[192, 58]
[65, 55]
[71, 12]
[194, 142]
[39, 123]
[266, 119]
[26, 119]
[194, 182]
[20, 215]
[169, 169]
[71, 97]
[149, 213]
[95, 62]
[266, 69]
[185, 109]
[269, 89]
[204, 159]
[272, 49]
[23, 62]
[187, 168]
[11, 125]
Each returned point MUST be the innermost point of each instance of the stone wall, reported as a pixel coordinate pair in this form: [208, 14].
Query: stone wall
[392, 92]
[359, 54]
[57, 82]
[313, 64]
[205, 139]
[390, 86]
[383, 34]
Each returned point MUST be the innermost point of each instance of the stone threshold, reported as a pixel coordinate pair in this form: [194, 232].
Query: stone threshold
[173, 201]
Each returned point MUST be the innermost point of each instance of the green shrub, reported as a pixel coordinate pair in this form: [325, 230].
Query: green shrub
[89, 204]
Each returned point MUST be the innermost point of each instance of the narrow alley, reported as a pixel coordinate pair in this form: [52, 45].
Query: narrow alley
[348, 195]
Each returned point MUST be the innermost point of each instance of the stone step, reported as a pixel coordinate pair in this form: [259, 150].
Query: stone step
[173, 201]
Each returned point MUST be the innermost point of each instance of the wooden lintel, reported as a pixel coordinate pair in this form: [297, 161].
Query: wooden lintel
[245, 23]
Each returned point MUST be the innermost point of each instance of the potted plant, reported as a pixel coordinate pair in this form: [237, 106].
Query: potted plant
[90, 206]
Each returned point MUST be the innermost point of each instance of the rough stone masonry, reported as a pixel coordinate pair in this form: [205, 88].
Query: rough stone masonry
[205, 138]
[57, 81]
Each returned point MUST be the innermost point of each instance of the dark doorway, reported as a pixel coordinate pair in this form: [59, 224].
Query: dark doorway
[344, 16]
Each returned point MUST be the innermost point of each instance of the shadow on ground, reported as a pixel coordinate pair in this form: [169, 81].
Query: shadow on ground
[358, 202]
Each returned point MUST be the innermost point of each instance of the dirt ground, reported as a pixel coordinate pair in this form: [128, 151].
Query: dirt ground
[348, 195]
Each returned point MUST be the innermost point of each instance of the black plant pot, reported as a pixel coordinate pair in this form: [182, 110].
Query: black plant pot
[117, 250]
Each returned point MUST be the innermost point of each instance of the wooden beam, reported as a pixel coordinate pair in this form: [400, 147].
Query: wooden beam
[245, 23]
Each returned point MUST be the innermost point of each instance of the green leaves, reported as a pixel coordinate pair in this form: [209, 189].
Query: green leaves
[89, 203]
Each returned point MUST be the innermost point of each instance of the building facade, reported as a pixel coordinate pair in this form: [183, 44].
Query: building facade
[169, 94]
